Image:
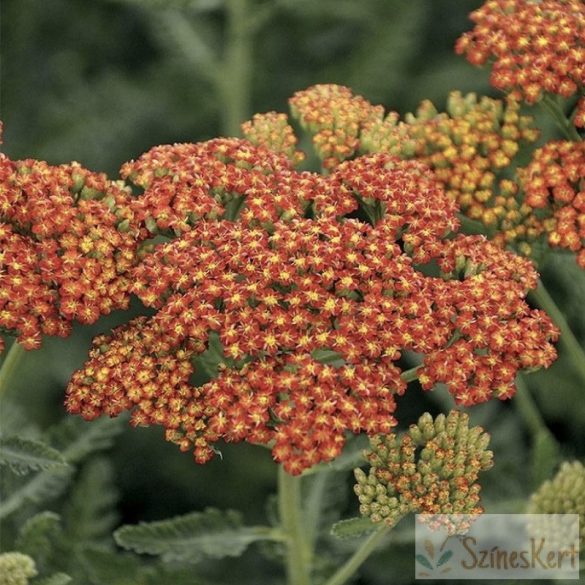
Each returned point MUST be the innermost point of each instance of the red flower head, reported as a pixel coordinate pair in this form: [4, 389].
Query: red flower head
[304, 314]
[65, 246]
[535, 47]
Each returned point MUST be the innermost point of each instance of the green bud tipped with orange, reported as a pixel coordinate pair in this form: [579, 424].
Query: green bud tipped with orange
[431, 469]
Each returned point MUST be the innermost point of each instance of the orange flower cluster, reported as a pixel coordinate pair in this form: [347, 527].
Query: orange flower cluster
[554, 181]
[536, 47]
[467, 147]
[309, 315]
[273, 131]
[65, 248]
[495, 333]
[335, 117]
[185, 183]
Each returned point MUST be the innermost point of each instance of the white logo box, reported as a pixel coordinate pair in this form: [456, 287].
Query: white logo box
[497, 546]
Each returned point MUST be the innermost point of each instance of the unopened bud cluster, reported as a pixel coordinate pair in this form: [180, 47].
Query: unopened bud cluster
[273, 131]
[431, 469]
[16, 568]
[335, 118]
[564, 494]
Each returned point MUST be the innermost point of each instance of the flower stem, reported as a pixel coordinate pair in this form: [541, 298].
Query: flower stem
[10, 366]
[298, 558]
[347, 570]
[410, 375]
[528, 409]
[557, 114]
[571, 344]
[234, 81]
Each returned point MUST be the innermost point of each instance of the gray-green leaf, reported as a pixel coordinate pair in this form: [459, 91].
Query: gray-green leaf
[353, 527]
[193, 537]
[38, 534]
[25, 455]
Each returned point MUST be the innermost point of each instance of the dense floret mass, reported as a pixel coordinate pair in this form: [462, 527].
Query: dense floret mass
[66, 244]
[307, 312]
[535, 47]
[554, 184]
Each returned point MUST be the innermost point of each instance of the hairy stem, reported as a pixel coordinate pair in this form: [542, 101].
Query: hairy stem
[298, 558]
[568, 340]
[410, 375]
[347, 570]
[527, 408]
[10, 366]
[234, 80]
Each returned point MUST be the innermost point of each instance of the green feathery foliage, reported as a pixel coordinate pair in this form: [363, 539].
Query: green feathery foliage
[55, 579]
[23, 456]
[75, 441]
[89, 514]
[38, 535]
[193, 537]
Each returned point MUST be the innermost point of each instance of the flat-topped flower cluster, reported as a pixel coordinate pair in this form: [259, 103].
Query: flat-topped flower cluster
[535, 48]
[313, 287]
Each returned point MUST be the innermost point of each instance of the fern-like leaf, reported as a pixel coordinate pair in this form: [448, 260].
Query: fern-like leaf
[193, 537]
[38, 535]
[25, 455]
[45, 485]
[77, 439]
[89, 515]
[113, 568]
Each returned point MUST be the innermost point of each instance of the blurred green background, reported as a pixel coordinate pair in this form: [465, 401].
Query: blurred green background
[102, 81]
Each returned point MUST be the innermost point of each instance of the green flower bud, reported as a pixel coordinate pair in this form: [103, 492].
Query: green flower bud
[439, 478]
[16, 568]
[564, 494]
[90, 193]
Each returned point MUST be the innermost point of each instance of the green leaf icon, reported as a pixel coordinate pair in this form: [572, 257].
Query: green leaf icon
[424, 562]
[444, 557]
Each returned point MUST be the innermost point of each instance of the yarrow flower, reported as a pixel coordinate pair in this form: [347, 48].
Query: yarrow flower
[431, 469]
[468, 147]
[554, 184]
[335, 117]
[495, 333]
[65, 248]
[535, 47]
[186, 183]
[309, 310]
[273, 131]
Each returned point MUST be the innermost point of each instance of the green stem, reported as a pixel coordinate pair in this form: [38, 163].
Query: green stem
[556, 112]
[568, 340]
[10, 365]
[234, 75]
[528, 409]
[298, 558]
[410, 375]
[357, 559]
